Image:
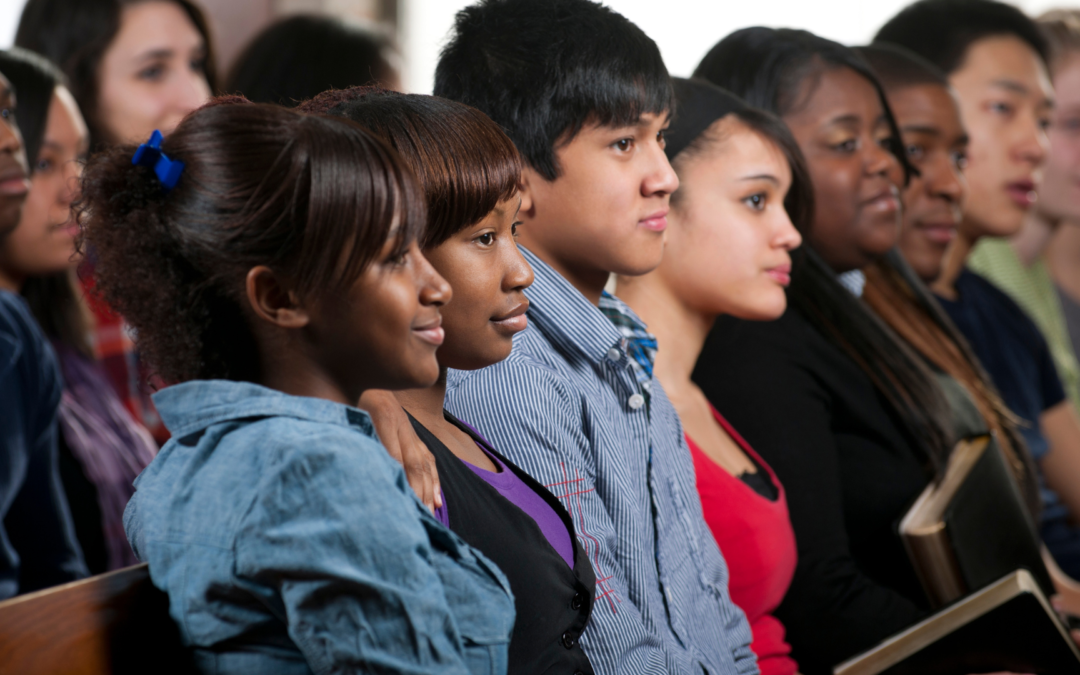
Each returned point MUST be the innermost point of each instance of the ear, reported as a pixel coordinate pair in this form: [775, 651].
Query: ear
[272, 301]
[527, 189]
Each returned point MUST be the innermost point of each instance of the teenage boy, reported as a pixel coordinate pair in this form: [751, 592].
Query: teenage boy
[586, 97]
[995, 59]
[37, 540]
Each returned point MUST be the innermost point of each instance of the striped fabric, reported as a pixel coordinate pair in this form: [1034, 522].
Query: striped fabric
[568, 408]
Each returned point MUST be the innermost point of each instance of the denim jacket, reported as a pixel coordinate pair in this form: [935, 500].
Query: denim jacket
[289, 542]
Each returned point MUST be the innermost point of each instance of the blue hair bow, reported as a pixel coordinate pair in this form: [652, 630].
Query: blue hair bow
[149, 154]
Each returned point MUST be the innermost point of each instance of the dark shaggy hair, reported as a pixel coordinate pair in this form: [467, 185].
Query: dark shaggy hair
[776, 69]
[543, 69]
[941, 31]
[300, 56]
[311, 197]
[898, 67]
[35, 79]
[75, 34]
[465, 163]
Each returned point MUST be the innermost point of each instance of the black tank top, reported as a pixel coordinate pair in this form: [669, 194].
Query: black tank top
[553, 602]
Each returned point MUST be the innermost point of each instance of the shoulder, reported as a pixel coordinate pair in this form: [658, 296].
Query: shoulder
[976, 288]
[525, 374]
[28, 367]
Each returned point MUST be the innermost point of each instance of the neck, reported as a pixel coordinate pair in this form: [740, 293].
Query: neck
[11, 282]
[588, 281]
[426, 405]
[287, 366]
[955, 258]
[1031, 242]
[680, 330]
[1063, 258]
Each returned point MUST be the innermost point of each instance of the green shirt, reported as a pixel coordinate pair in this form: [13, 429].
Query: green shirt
[1033, 289]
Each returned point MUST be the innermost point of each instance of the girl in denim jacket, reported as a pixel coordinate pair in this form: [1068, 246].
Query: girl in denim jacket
[268, 263]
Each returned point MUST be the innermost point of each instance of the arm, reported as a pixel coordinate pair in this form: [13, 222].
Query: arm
[529, 415]
[335, 536]
[397, 436]
[1061, 464]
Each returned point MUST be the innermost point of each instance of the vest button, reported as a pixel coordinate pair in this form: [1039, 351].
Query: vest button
[636, 401]
[577, 601]
[568, 640]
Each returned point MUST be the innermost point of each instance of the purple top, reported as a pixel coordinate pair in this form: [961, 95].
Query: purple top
[521, 495]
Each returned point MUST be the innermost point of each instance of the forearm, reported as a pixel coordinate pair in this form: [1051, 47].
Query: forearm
[1061, 465]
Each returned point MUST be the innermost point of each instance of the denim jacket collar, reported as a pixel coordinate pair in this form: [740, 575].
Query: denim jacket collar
[192, 406]
[565, 316]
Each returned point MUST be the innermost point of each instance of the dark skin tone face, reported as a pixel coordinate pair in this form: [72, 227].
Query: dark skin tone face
[14, 171]
[381, 332]
[488, 274]
[841, 127]
[936, 144]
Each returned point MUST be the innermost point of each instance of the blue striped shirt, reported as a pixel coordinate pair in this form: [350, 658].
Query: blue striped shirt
[567, 407]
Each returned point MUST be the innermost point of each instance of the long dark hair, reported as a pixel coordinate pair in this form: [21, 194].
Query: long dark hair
[771, 69]
[54, 299]
[75, 34]
[313, 198]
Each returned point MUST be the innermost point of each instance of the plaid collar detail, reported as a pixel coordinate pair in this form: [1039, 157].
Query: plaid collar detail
[640, 344]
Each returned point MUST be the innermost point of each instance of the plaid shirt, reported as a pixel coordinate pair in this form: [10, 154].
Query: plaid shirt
[120, 360]
[576, 407]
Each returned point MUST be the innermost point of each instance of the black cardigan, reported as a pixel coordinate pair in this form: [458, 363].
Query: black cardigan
[553, 602]
[850, 471]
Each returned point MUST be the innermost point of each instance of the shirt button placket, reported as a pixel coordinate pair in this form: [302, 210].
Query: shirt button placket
[636, 401]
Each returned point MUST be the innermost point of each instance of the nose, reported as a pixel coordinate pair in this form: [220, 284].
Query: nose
[11, 141]
[434, 290]
[879, 161]
[661, 179]
[943, 180]
[1033, 145]
[72, 174]
[519, 273]
[785, 235]
[192, 91]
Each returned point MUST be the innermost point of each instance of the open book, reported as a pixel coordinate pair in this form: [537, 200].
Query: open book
[973, 528]
[1007, 626]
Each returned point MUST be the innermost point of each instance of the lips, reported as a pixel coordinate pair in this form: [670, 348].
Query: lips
[13, 180]
[657, 222]
[781, 274]
[513, 321]
[431, 332]
[1022, 192]
[940, 232]
[883, 201]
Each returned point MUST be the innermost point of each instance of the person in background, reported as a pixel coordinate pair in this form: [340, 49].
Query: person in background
[585, 96]
[37, 541]
[742, 180]
[855, 418]
[1056, 217]
[469, 171]
[102, 448]
[133, 66]
[996, 65]
[269, 263]
[298, 57]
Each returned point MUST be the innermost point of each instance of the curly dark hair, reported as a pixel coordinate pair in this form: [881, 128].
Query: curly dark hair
[314, 198]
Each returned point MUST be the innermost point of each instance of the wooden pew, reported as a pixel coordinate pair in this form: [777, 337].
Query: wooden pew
[112, 623]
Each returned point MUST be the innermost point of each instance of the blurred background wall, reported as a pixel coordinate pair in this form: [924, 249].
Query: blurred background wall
[684, 29]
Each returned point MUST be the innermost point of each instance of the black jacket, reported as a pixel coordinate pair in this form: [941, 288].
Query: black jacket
[553, 602]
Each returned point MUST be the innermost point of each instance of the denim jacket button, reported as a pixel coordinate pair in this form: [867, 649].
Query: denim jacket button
[568, 640]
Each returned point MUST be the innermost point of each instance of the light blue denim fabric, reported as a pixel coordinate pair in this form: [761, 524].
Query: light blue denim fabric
[288, 542]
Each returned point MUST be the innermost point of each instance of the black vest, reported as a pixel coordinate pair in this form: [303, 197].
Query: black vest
[553, 602]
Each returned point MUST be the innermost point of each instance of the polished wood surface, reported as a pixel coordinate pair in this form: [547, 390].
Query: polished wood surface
[112, 623]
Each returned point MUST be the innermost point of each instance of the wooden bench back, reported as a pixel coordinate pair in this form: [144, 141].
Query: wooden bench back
[112, 623]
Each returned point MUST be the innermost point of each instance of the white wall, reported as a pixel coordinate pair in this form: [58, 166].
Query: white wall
[684, 29]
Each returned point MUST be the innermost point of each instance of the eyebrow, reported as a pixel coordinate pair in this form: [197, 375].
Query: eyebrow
[155, 54]
[920, 129]
[762, 176]
[845, 119]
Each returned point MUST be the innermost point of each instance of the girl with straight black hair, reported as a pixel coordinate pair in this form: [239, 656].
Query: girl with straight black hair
[268, 261]
[102, 447]
[855, 420]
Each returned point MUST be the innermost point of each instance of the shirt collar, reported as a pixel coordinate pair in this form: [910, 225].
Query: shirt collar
[192, 406]
[565, 316]
[854, 281]
[640, 343]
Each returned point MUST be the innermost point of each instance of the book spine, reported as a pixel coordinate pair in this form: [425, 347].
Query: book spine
[936, 566]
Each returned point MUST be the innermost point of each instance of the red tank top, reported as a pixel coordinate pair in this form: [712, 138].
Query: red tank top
[757, 541]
